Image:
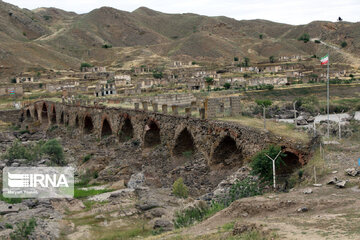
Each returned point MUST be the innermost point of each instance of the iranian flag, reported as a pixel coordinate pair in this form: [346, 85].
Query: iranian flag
[325, 59]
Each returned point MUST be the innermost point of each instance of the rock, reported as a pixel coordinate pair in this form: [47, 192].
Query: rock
[118, 185]
[317, 184]
[147, 204]
[333, 181]
[334, 172]
[163, 224]
[308, 191]
[15, 164]
[101, 216]
[6, 209]
[240, 228]
[301, 121]
[352, 172]
[136, 180]
[31, 203]
[303, 209]
[341, 184]
[157, 212]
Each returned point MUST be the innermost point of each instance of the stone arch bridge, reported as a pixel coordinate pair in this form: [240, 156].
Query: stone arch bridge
[218, 141]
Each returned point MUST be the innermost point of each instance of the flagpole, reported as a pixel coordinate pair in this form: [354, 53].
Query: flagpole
[328, 98]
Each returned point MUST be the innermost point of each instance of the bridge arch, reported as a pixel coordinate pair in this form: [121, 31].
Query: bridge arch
[28, 114]
[152, 134]
[53, 115]
[184, 143]
[88, 124]
[127, 130]
[62, 118]
[106, 129]
[44, 114]
[226, 152]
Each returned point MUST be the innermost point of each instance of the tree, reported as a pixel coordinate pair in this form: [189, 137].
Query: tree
[343, 44]
[85, 64]
[261, 36]
[209, 81]
[272, 59]
[304, 37]
[227, 85]
[246, 62]
[236, 59]
[264, 104]
[261, 165]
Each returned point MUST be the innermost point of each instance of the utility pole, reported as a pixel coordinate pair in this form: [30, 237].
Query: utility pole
[273, 165]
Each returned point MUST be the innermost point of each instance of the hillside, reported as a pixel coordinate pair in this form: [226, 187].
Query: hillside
[53, 38]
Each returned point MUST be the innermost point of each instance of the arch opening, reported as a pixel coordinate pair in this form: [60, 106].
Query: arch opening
[291, 163]
[152, 135]
[227, 152]
[22, 118]
[77, 121]
[184, 143]
[88, 125]
[127, 131]
[106, 128]
[28, 115]
[53, 116]
[36, 114]
[44, 114]
[62, 118]
[67, 120]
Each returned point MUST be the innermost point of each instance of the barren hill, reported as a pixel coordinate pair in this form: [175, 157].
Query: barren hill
[53, 38]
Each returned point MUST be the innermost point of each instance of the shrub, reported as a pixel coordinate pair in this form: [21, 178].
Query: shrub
[241, 189]
[23, 230]
[18, 151]
[193, 63]
[85, 64]
[86, 158]
[13, 80]
[305, 37]
[272, 59]
[261, 36]
[106, 46]
[157, 74]
[187, 154]
[47, 18]
[227, 85]
[261, 165]
[54, 149]
[344, 44]
[8, 226]
[236, 59]
[179, 189]
[317, 41]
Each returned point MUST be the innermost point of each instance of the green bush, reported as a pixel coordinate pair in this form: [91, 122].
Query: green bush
[227, 85]
[85, 64]
[195, 214]
[87, 158]
[13, 80]
[54, 149]
[106, 46]
[344, 44]
[236, 59]
[242, 189]
[23, 230]
[10, 200]
[317, 41]
[261, 165]
[179, 189]
[18, 151]
[157, 74]
[8, 226]
[305, 37]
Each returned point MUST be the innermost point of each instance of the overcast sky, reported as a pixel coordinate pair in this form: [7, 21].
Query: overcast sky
[285, 11]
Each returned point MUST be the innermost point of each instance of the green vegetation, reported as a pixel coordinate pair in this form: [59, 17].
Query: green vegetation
[209, 81]
[261, 87]
[87, 158]
[272, 59]
[13, 80]
[242, 189]
[187, 154]
[179, 189]
[344, 44]
[8, 226]
[54, 149]
[236, 59]
[261, 165]
[106, 46]
[246, 62]
[47, 18]
[157, 74]
[23, 230]
[195, 214]
[317, 41]
[304, 37]
[227, 86]
[33, 153]
[261, 36]
[85, 64]
[10, 200]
